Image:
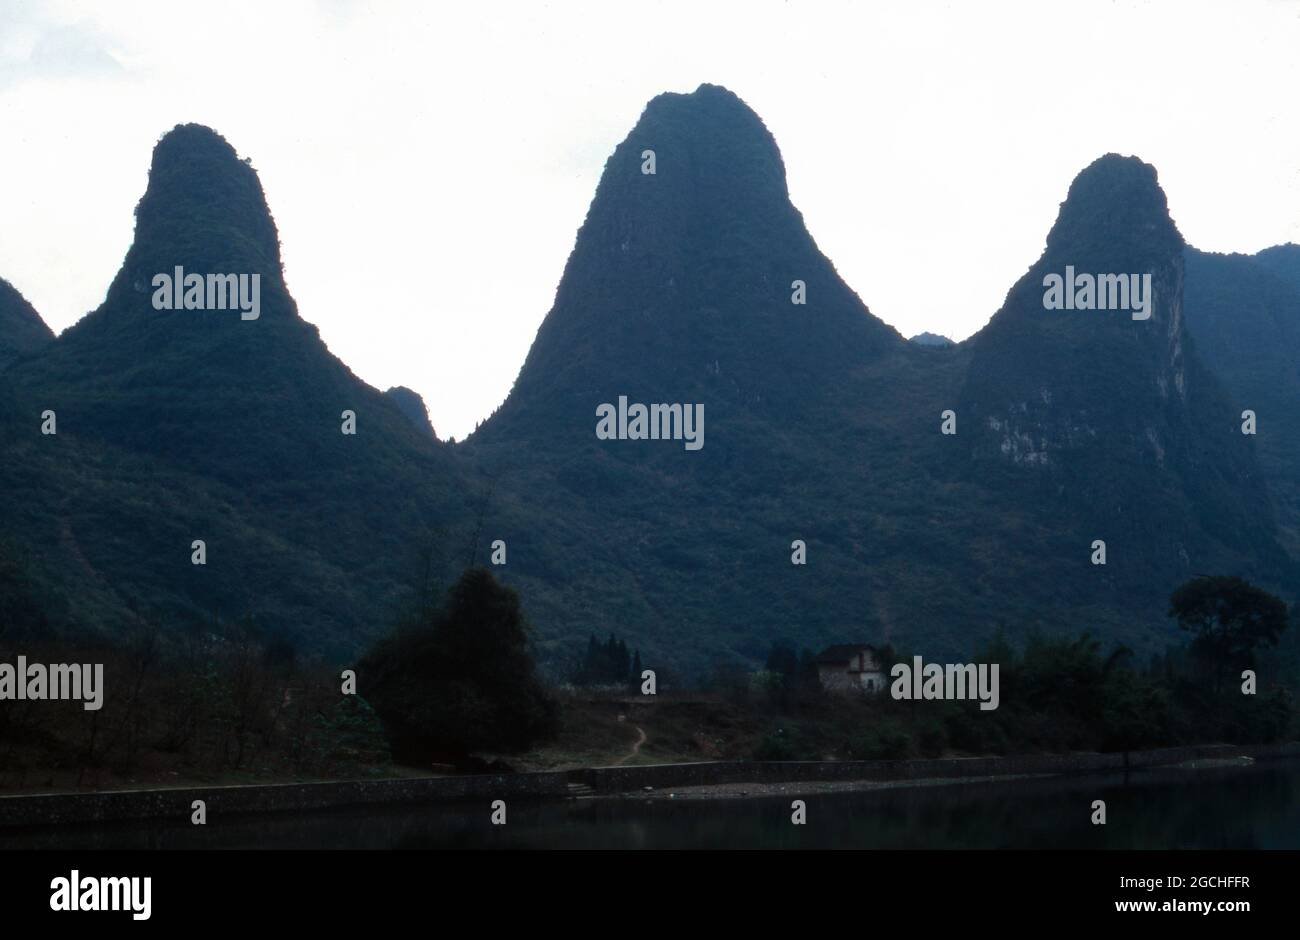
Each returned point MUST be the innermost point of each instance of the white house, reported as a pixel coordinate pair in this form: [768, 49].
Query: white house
[851, 666]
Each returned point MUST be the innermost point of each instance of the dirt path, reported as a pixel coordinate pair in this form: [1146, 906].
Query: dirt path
[636, 748]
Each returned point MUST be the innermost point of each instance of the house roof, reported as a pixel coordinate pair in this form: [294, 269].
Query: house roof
[841, 653]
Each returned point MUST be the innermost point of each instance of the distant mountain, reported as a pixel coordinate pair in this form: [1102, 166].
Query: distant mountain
[410, 404]
[681, 289]
[1244, 313]
[1102, 425]
[22, 331]
[682, 282]
[817, 432]
[931, 339]
[823, 425]
[184, 424]
[1282, 260]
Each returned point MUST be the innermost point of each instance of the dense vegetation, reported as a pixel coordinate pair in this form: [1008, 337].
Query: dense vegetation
[455, 684]
[1057, 694]
[1243, 312]
[218, 703]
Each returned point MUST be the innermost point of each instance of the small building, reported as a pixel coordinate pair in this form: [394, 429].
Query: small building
[850, 667]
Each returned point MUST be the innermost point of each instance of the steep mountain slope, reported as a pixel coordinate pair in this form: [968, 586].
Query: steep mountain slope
[1109, 422]
[184, 424]
[1244, 313]
[681, 281]
[1121, 416]
[22, 331]
[680, 290]
[823, 425]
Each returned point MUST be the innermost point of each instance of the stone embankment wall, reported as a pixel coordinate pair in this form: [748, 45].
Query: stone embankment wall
[64, 808]
[621, 779]
[89, 808]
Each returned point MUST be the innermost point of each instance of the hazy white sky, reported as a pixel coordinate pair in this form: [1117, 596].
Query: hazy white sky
[428, 164]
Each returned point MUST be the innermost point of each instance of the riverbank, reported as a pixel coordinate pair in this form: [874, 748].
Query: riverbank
[744, 791]
[705, 779]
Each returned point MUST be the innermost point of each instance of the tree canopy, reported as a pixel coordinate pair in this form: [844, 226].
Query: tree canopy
[462, 679]
[1230, 617]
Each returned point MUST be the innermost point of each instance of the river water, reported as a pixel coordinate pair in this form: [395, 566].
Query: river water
[1227, 807]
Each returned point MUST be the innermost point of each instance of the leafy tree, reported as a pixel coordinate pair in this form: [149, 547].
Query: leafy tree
[1230, 618]
[463, 682]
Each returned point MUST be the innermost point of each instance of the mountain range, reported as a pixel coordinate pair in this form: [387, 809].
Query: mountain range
[938, 493]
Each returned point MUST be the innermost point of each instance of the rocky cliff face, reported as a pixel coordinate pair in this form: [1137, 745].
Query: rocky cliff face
[1048, 382]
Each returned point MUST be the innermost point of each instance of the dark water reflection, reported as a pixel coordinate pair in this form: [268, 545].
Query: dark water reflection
[1238, 808]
